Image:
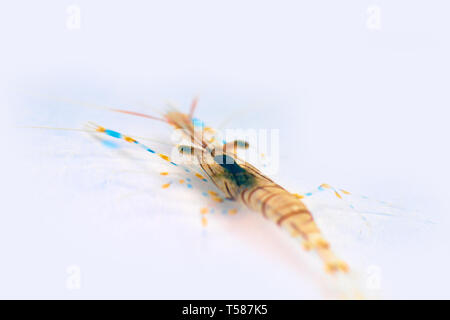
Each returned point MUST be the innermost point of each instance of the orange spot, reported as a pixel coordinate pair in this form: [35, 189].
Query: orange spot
[294, 233]
[232, 211]
[163, 156]
[166, 185]
[164, 173]
[128, 139]
[204, 221]
[212, 193]
[326, 186]
[181, 181]
[334, 266]
[321, 243]
[218, 199]
[100, 129]
[330, 267]
[338, 195]
[198, 175]
[343, 266]
[299, 196]
[307, 245]
[204, 210]
[345, 192]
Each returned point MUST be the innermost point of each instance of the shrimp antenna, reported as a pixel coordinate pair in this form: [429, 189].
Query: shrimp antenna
[90, 128]
[193, 107]
[94, 106]
[138, 114]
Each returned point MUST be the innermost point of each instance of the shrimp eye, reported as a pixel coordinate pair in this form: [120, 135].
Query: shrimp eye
[228, 163]
[185, 149]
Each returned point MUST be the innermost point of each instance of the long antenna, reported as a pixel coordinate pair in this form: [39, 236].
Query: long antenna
[138, 114]
[193, 106]
[95, 106]
[91, 130]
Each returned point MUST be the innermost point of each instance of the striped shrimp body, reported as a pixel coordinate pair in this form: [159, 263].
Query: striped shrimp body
[291, 214]
[242, 182]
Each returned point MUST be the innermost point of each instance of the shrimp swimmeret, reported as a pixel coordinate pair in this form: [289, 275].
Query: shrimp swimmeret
[241, 182]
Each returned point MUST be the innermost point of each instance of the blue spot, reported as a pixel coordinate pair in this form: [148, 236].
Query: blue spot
[320, 188]
[189, 186]
[205, 180]
[187, 170]
[188, 179]
[173, 163]
[224, 142]
[150, 150]
[197, 122]
[113, 134]
[110, 144]
[308, 194]
[204, 194]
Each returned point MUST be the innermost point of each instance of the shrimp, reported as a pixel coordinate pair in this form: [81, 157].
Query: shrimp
[241, 182]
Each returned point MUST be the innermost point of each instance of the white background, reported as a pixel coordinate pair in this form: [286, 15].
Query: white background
[359, 107]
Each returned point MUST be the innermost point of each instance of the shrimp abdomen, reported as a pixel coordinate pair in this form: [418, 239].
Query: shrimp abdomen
[290, 213]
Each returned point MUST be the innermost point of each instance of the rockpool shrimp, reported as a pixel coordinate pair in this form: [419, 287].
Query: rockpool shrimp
[241, 182]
